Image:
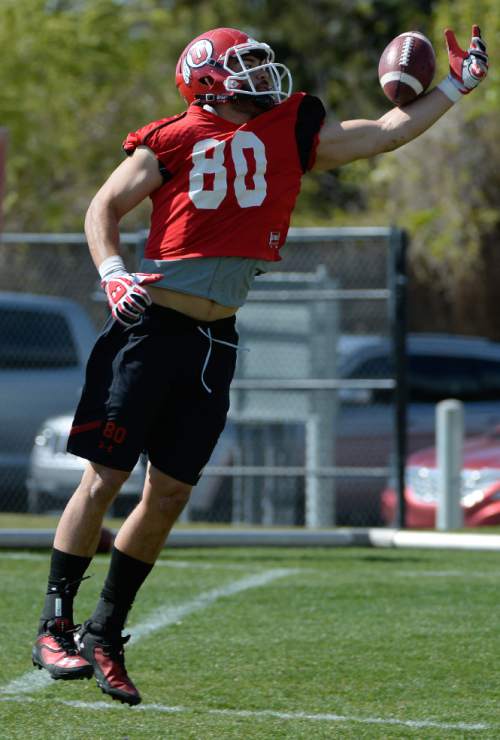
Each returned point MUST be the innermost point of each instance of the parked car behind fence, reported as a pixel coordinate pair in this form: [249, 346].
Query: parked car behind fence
[44, 345]
[480, 485]
[439, 366]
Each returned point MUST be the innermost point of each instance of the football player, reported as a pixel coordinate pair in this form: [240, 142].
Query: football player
[222, 177]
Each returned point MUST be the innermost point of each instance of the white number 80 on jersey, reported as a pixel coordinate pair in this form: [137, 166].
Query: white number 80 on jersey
[214, 165]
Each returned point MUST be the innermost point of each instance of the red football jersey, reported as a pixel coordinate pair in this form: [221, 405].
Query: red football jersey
[229, 189]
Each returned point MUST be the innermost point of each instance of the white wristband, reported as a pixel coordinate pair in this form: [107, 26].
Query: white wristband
[448, 88]
[110, 265]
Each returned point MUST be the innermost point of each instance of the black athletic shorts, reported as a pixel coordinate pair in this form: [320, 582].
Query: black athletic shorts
[159, 387]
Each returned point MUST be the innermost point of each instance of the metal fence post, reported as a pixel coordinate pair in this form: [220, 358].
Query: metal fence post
[449, 440]
[398, 321]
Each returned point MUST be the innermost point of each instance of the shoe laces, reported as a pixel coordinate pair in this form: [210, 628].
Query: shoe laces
[112, 646]
[62, 635]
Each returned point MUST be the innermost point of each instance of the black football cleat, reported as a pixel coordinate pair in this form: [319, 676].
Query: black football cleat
[106, 655]
[55, 650]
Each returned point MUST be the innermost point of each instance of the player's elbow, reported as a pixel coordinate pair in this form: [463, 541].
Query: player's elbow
[394, 130]
[101, 209]
[390, 144]
[390, 138]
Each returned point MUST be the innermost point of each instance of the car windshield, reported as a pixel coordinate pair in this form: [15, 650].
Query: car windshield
[468, 378]
[433, 377]
[34, 340]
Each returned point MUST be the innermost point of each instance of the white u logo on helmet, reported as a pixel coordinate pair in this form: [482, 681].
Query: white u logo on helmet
[199, 53]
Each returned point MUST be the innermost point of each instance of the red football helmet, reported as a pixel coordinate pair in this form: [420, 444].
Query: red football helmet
[212, 69]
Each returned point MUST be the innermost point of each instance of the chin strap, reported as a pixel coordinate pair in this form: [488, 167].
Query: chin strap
[265, 102]
[213, 98]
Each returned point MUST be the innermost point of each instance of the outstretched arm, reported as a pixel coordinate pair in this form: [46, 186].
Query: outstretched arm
[343, 142]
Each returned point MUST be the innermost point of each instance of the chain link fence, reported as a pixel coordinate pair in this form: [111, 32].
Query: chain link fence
[312, 432]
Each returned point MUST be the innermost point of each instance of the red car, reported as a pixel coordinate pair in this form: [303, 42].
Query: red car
[480, 485]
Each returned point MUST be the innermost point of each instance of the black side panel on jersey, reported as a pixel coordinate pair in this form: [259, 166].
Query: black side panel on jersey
[310, 116]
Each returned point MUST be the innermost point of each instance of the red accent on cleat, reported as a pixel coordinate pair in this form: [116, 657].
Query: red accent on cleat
[55, 650]
[105, 654]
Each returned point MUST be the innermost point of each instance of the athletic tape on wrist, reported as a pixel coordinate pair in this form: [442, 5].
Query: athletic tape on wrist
[110, 265]
[448, 88]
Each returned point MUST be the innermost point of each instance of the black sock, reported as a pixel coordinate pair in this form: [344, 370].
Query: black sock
[65, 575]
[125, 576]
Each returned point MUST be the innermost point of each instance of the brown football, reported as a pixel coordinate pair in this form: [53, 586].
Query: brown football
[406, 67]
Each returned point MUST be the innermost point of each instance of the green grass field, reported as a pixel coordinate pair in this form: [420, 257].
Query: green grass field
[271, 643]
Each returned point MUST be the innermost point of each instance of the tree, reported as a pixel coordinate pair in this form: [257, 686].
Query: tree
[444, 188]
[75, 78]
[77, 75]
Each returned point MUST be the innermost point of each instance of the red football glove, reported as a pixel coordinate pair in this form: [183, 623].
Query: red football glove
[126, 296]
[467, 68]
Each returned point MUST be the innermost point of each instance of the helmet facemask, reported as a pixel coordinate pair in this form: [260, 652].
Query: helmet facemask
[245, 79]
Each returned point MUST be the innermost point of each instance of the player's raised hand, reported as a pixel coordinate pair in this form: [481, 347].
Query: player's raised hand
[467, 68]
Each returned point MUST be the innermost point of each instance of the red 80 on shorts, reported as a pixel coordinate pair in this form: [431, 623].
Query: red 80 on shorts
[114, 433]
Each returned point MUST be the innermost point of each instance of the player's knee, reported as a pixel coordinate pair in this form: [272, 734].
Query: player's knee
[164, 492]
[172, 497]
[102, 484]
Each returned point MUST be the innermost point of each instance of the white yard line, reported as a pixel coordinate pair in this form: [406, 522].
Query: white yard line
[163, 617]
[167, 615]
[416, 724]
[445, 574]
[182, 564]
[438, 574]
[28, 683]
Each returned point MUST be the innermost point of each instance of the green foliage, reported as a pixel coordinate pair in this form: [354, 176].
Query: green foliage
[76, 78]
[77, 75]
[444, 186]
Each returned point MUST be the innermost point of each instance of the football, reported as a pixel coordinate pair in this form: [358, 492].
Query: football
[105, 540]
[406, 67]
